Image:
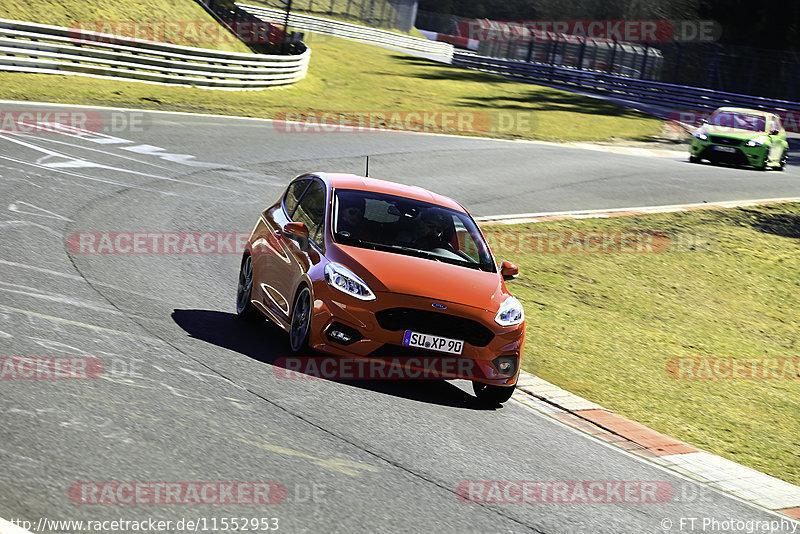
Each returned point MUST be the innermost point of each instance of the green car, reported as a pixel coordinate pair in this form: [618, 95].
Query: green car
[741, 137]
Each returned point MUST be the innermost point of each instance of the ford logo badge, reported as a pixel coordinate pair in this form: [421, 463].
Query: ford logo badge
[439, 306]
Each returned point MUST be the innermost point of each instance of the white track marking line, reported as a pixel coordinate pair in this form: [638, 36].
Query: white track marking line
[73, 162]
[59, 298]
[91, 178]
[7, 527]
[40, 212]
[78, 278]
[585, 214]
[76, 323]
[106, 152]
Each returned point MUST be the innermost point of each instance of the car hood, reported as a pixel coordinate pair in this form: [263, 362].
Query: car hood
[732, 132]
[409, 275]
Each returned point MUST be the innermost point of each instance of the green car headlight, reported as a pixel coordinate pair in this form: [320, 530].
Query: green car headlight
[701, 135]
[756, 141]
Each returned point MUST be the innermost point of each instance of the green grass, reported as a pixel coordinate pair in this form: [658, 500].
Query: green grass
[603, 326]
[71, 13]
[350, 76]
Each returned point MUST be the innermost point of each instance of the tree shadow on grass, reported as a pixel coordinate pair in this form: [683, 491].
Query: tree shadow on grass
[269, 344]
[781, 224]
[554, 100]
[543, 98]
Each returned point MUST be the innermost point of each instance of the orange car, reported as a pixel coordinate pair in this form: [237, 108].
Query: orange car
[371, 269]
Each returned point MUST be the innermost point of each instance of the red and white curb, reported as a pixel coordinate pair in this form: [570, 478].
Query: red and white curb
[520, 218]
[748, 484]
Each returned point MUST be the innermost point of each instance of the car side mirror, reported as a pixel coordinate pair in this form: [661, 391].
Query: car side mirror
[774, 132]
[509, 270]
[297, 231]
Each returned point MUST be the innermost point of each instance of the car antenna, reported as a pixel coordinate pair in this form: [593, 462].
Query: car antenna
[366, 173]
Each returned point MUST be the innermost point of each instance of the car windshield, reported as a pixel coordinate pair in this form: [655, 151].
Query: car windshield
[739, 121]
[405, 226]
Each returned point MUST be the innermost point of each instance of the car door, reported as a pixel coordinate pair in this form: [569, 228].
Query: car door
[272, 259]
[295, 258]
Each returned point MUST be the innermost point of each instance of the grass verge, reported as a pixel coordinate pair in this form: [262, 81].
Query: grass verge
[152, 14]
[350, 76]
[605, 325]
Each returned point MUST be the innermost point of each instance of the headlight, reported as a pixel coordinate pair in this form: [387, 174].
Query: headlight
[510, 313]
[347, 281]
[756, 141]
[701, 135]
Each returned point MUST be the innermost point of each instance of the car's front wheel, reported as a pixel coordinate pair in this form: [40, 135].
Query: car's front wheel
[784, 158]
[694, 159]
[244, 308]
[301, 322]
[492, 395]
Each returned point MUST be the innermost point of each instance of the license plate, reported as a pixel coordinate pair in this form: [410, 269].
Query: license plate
[724, 149]
[429, 342]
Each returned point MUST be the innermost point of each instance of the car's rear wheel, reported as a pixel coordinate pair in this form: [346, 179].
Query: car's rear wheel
[244, 308]
[492, 395]
[301, 322]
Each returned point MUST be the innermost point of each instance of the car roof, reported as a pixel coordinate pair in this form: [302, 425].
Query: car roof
[362, 183]
[748, 111]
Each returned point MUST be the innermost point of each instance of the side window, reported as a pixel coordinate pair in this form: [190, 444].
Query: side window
[311, 209]
[293, 194]
[776, 123]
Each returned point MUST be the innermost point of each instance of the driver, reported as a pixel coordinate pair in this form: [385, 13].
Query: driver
[430, 231]
[351, 222]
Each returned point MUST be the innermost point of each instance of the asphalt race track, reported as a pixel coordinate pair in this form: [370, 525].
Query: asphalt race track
[190, 394]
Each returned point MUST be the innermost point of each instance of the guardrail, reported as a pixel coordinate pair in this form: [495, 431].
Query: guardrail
[365, 34]
[41, 48]
[677, 97]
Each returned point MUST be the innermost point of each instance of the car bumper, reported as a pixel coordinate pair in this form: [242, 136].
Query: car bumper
[375, 342]
[740, 155]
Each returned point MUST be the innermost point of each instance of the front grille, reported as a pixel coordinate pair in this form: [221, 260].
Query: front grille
[735, 158]
[727, 141]
[435, 324]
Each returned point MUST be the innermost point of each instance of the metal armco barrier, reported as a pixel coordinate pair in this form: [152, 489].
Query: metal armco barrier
[41, 48]
[306, 23]
[675, 96]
